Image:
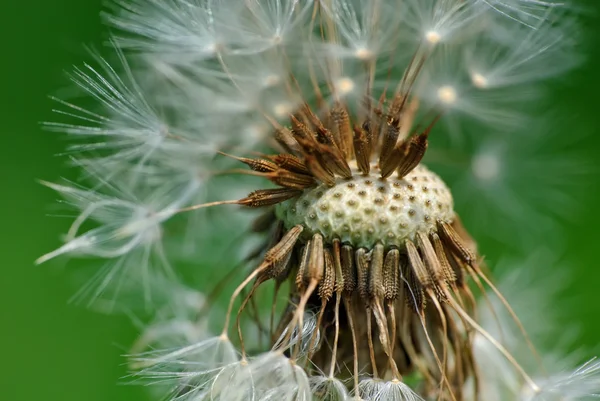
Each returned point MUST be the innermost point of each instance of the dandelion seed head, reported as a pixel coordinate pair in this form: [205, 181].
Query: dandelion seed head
[332, 105]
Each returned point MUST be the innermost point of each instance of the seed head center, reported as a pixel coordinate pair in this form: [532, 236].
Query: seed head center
[366, 209]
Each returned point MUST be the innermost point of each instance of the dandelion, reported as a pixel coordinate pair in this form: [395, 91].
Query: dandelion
[327, 108]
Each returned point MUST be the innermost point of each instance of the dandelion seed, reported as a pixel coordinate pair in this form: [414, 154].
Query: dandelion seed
[378, 390]
[328, 389]
[204, 356]
[129, 234]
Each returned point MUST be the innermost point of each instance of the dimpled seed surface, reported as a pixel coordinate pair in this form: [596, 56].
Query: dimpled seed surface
[367, 209]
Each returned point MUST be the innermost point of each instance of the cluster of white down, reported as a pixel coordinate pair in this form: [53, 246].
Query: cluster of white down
[196, 76]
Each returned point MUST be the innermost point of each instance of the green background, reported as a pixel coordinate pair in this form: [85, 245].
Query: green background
[56, 351]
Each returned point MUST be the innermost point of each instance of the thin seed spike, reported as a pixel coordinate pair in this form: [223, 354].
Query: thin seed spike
[336, 320]
[362, 273]
[325, 137]
[290, 162]
[314, 161]
[393, 332]
[374, 126]
[278, 256]
[272, 257]
[438, 246]
[319, 171]
[393, 160]
[323, 145]
[396, 106]
[407, 334]
[384, 339]
[335, 162]
[337, 263]
[312, 348]
[371, 347]
[462, 368]
[442, 316]
[341, 129]
[248, 298]
[413, 289]
[268, 197]
[431, 261]
[303, 135]
[286, 140]
[414, 154]
[376, 272]
[273, 309]
[316, 123]
[408, 117]
[280, 270]
[462, 232]
[417, 265]
[456, 266]
[402, 267]
[327, 284]
[276, 236]
[260, 165]
[316, 262]
[391, 273]
[291, 180]
[298, 319]
[349, 313]
[303, 265]
[439, 364]
[362, 149]
[390, 138]
[348, 269]
[455, 243]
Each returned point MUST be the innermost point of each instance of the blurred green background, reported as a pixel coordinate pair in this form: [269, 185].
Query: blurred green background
[56, 351]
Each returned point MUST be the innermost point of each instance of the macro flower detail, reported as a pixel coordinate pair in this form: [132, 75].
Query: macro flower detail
[385, 278]
[317, 118]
